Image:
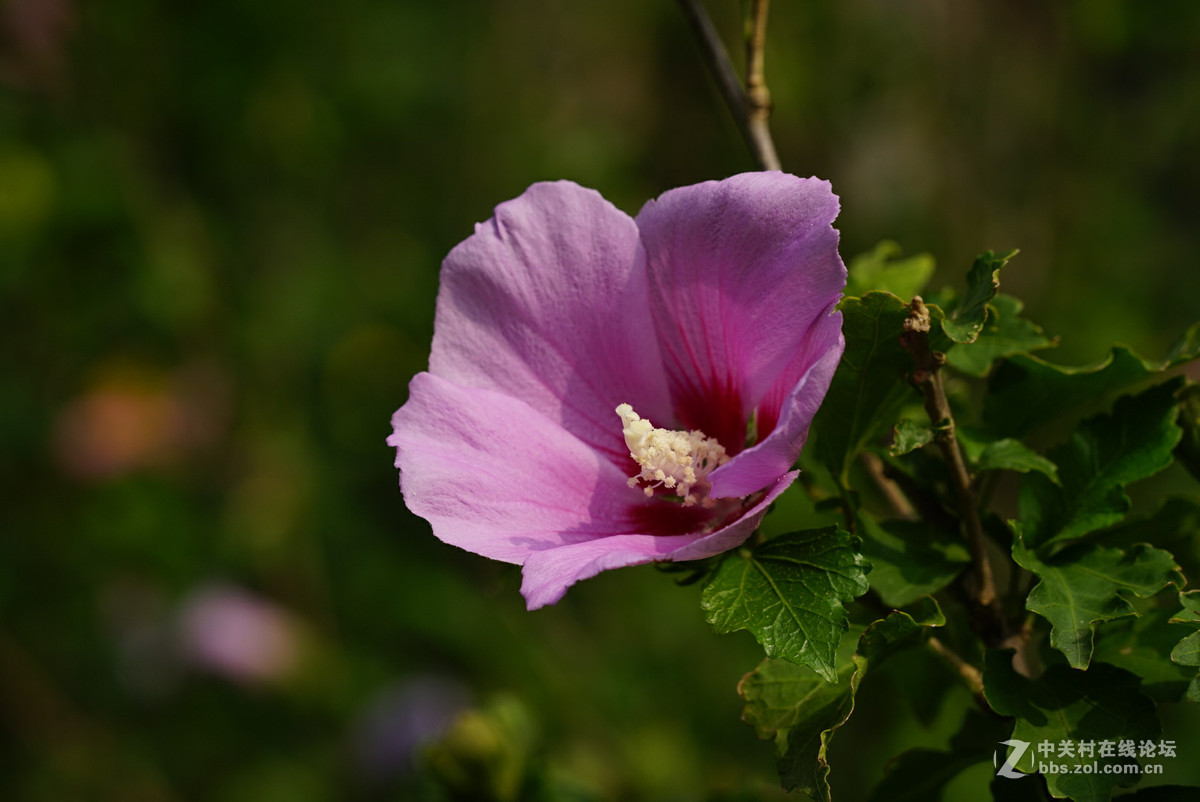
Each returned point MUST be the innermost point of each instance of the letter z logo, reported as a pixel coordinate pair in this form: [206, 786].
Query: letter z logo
[1008, 770]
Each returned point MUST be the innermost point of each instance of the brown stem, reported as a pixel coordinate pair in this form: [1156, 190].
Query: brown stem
[902, 508]
[756, 133]
[758, 97]
[969, 674]
[927, 376]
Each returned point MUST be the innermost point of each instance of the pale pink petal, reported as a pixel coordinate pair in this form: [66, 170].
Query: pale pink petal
[547, 574]
[496, 477]
[543, 303]
[739, 270]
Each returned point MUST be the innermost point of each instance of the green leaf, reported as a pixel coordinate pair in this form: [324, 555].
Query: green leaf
[910, 559]
[800, 711]
[1025, 392]
[1190, 614]
[1143, 646]
[1013, 455]
[1105, 453]
[921, 775]
[1187, 651]
[909, 436]
[964, 324]
[1005, 333]
[1065, 704]
[869, 386]
[789, 593]
[1188, 450]
[881, 269]
[1087, 584]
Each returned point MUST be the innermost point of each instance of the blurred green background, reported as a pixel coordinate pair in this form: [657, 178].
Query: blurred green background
[220, 230]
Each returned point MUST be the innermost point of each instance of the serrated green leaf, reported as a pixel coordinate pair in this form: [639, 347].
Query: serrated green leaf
[1086, 584]
[1105, 453]
[910, 559]
[1013, 455]
[908, 436]
[1143, 646]
[800, 711]
[963, 324]
[1065, 704]
[881, 270]
[1005, 333]
[869, 387]
[789, 593]
[1026, 392]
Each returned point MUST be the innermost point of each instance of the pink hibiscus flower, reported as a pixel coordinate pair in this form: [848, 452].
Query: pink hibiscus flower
[606, 391]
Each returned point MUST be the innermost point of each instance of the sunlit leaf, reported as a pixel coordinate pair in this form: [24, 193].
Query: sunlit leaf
[789, 592]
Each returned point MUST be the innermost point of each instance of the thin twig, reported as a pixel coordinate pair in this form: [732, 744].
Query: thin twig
[902, 508]
[971, 675]
[758, 98]
[717, 59]
[928, 377]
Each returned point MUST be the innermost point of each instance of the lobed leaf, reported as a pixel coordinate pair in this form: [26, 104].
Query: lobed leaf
[1087, 584]
[1066, 704]
[1026, 392]
[800, 711]
[789, 593]
[1005, 333]
[966, 321]
[1105, 453]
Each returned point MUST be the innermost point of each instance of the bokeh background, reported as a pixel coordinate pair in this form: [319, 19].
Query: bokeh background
[220, 230]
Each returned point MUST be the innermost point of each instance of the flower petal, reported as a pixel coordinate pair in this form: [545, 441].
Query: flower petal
[494, 476]
[543, 304]
[786, 413]
[739, 270]
[547, 574]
